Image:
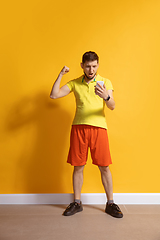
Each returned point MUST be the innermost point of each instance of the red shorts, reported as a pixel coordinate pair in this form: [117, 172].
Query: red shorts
[84, 137]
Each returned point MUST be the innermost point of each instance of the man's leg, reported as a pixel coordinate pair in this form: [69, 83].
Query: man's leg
[76, 206]
[107, 182]
[77, 181]
[111, 208]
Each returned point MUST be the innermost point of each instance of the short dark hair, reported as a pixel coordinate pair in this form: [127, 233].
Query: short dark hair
[89, 56]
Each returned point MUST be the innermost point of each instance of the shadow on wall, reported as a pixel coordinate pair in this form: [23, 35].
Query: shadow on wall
[45, 134]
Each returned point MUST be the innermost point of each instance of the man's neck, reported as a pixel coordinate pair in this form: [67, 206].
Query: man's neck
[89, 80]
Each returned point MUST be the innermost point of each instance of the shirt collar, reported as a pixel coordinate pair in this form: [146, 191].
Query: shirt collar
[91, 81]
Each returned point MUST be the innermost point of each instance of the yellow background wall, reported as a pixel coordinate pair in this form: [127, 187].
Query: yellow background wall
[37, 39]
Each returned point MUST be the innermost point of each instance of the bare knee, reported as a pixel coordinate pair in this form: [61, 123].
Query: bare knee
[78, 169]
[104, 169]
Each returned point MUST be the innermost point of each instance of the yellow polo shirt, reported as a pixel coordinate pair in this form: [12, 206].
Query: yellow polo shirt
[89, 106]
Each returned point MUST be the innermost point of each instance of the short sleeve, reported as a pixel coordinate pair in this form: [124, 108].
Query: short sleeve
[70, 84]
[108, 84]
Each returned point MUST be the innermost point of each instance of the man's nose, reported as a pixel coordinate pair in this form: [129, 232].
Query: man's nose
[91, 69]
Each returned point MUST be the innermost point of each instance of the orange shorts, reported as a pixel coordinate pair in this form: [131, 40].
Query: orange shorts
[84, 137]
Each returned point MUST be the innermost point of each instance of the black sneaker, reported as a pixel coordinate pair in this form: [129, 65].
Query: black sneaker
[73, 208]
[113, 210]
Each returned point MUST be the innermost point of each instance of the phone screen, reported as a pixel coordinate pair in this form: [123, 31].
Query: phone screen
[100, 82]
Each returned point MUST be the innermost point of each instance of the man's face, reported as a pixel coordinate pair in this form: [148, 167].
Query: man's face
[90, 69]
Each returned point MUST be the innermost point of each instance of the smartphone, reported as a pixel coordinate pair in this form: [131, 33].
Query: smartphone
[100, 82]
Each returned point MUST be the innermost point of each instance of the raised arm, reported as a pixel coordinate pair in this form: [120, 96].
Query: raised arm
[56, 91]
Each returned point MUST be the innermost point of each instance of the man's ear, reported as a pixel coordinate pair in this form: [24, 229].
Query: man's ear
[82, 65]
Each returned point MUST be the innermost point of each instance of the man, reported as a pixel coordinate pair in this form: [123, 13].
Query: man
[89, 128]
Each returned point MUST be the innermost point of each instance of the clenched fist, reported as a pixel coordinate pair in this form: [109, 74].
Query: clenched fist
[64, 70]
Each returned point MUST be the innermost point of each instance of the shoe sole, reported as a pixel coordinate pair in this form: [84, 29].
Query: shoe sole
[116, 216]
[70, 214]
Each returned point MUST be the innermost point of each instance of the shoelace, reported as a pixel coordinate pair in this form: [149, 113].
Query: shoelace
[71, 204]
[116, 207]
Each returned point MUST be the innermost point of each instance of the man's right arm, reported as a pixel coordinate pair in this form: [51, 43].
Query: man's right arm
[56, 91]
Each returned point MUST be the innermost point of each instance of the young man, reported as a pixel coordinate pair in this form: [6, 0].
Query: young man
[89, 128]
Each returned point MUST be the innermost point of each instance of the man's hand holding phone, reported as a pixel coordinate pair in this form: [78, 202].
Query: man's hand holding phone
[100, 90]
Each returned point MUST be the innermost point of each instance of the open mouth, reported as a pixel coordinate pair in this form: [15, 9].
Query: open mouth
[89, 75]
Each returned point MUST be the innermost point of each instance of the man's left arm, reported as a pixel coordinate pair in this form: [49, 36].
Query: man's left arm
[107, 95]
